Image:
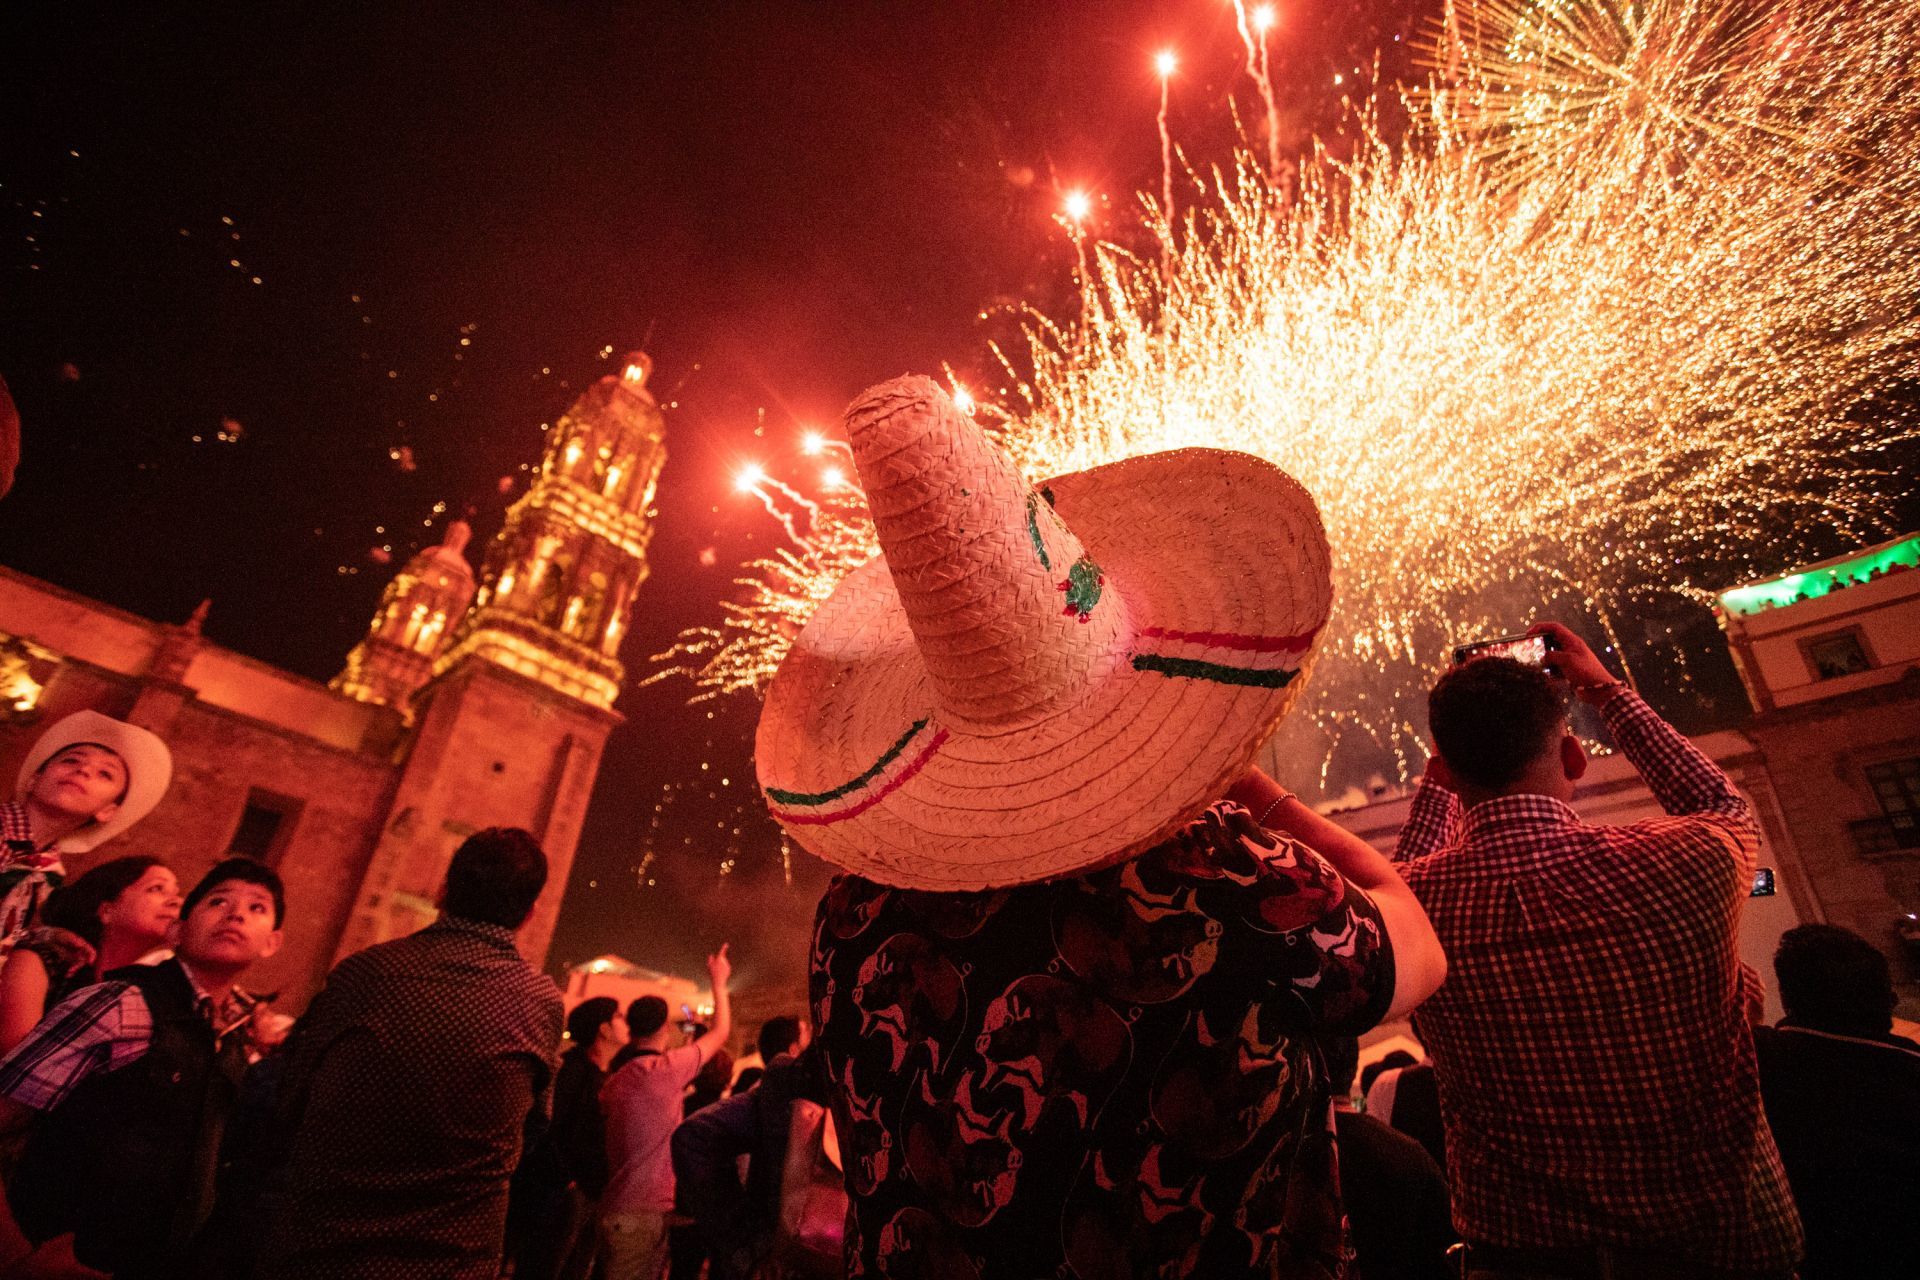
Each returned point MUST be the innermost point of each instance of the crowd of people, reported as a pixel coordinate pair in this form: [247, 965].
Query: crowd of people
[1083, 1004]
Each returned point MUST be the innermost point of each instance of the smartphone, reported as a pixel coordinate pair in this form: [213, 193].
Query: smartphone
[1762, 883]
[1532, 650]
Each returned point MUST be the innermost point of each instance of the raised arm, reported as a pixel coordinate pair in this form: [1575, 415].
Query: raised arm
[1433, 820]
[1418, 962]
[719, 968]
[1679, 774]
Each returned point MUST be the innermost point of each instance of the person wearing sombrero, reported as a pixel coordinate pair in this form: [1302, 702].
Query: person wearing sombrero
[88, 778]
[1069, 983]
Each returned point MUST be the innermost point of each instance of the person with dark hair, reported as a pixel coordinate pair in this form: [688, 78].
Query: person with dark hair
[1407, 1097]
[746, 1080]
[563, 1175]
[1392, 1060]
[1593, 1044]
[409, 1084]
[1843, 1098]
[645, 1016]
[1394, 1192]
[779, 1037]
[86, 780]
[642, 1106]
[106, 919]
[733, 1223]
[127, 1086]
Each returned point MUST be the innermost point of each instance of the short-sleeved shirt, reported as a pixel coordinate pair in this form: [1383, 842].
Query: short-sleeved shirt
[1108, 1075]
[641, 1103]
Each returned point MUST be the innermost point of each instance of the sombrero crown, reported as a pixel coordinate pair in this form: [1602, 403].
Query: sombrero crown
[1030, 682]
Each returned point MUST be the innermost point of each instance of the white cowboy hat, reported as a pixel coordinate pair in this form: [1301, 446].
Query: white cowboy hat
[149, 770]
[1028, 683]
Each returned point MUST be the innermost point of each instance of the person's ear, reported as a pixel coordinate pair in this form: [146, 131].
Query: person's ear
[106, 811]
[272, 943]
[1443, 773]
[1573, 757]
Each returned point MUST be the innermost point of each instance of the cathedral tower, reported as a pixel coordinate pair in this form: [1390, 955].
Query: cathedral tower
[420, 607]
[562, 573]
[509, 727]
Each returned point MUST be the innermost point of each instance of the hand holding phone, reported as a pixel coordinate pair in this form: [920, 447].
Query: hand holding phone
[1570, 659]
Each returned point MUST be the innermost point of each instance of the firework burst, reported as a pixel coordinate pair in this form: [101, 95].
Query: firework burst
[1621, 318]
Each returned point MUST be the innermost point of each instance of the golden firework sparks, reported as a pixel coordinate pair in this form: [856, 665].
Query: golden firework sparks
[1619, 320]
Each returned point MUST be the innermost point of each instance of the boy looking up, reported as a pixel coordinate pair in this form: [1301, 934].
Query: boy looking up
[127, 1086]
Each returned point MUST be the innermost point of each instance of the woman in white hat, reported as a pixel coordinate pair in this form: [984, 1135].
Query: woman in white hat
[1069, 991]
[88, 778]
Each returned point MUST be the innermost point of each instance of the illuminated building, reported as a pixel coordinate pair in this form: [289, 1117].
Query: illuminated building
[466, 705]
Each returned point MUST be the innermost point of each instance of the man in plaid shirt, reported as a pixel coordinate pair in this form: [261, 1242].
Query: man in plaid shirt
[1592, 1042]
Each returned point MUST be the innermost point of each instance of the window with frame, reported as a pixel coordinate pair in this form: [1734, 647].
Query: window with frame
[1896, 785]
[1840, 653]
[265, 826]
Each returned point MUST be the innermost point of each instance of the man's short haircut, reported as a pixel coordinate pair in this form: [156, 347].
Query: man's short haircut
[645, 1016]
[1381, 1065]
[1832, 979]
[584, 1023]
[1493, 717]
[778, 1036]
[495, 877]
[246, 871]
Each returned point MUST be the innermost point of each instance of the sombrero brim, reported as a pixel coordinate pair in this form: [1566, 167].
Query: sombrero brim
[149, 770]
[1222, 565]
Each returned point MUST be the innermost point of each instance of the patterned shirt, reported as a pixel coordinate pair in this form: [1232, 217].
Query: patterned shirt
[27, 874]
[1109, 1075]
[97, 1029]
[1592, 1041]
[409, 1084]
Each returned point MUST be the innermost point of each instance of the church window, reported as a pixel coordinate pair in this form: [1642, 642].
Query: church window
[265, 826]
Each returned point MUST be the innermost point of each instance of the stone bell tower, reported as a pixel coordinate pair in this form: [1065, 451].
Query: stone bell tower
[509, 725]
[410, 628]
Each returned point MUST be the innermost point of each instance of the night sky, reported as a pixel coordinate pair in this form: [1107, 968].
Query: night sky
[341, 231]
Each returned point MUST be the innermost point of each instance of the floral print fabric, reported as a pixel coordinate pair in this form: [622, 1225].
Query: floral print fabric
[1110, 1075]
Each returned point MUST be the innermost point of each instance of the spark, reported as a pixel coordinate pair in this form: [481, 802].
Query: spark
[1165, 63]
[748, 477]
[833, 478]
[1077, 206]
[1624, 330]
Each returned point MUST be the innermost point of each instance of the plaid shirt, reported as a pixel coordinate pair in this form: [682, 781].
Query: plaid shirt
[1593, 1042]
[95, 1030]
[27, 874]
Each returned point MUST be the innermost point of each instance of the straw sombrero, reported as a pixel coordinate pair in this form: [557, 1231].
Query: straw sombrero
[149, 770]
[1031, 682]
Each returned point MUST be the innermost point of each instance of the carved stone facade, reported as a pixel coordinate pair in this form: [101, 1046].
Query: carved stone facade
[448, 717]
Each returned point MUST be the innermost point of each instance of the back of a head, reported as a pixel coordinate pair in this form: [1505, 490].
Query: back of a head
[584, 1023]
[496, 877]
[1385, 1063]
[645, 1016]
[1491, 718]
[777, 1036]
[1832, 979]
